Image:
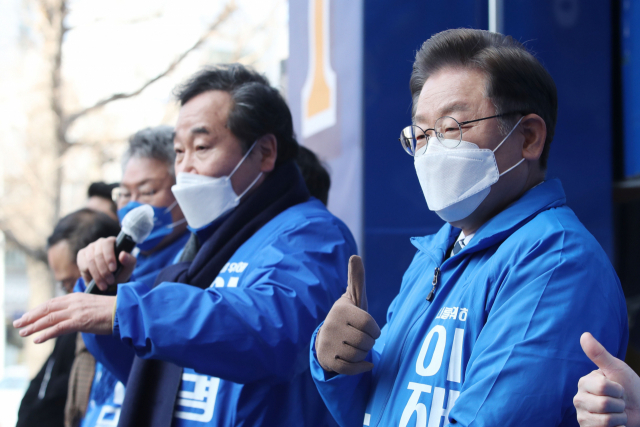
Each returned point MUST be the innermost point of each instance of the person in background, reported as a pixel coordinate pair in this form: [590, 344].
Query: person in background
[100, 198]
[485, 328]
[222, 338]
[147, 177]
[610, 395]
[315, 175]
[44, 401]
[148, 174]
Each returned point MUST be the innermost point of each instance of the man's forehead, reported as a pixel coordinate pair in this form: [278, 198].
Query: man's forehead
[208, 110]
[433, 110]
[60, 247]
[450, 91]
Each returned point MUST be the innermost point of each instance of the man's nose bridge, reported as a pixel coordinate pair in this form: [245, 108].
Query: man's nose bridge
[187, 164]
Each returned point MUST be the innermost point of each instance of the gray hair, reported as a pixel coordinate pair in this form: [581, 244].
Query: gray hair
[152, 143]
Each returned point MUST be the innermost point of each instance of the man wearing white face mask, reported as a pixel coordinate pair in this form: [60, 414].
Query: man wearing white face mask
[485, 330]
[222, 338]
[147, 177]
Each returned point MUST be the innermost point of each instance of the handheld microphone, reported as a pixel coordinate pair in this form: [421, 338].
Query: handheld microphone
[136, 227]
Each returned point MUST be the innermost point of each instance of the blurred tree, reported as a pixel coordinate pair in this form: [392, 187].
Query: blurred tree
[32, 199]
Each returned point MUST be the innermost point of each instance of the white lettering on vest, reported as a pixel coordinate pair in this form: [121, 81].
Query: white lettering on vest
[438, 354]
[455, 360]
[414, 406]
[437, 411]
[201, 400]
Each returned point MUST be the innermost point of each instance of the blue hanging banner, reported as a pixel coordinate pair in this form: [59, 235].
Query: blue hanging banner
[630, 39]
[324, 74]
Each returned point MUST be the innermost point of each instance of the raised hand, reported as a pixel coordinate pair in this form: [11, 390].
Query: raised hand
[609, 396]
[348, 332]
[98, 262]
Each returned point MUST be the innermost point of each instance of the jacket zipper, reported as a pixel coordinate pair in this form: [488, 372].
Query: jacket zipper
[436, 273]
[404, 342]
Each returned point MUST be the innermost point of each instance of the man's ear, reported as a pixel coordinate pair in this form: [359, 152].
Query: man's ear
[267, 146]
[535, 133]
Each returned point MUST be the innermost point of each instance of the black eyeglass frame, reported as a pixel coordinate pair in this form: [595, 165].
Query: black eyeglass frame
[460, 124]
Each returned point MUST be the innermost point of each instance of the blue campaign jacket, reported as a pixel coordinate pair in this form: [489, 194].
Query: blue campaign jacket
[244, 341]
[500, 340]
[107, 390]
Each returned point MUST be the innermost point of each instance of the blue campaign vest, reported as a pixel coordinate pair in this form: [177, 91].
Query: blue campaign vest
[243, 341]
[499, 342]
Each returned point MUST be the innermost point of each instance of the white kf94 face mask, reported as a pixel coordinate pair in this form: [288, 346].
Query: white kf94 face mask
[456, 180]
[203, 198]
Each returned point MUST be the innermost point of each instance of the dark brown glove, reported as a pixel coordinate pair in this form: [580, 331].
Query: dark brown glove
[348, 332]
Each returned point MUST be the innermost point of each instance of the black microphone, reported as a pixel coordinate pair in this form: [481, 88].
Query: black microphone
[136, 227]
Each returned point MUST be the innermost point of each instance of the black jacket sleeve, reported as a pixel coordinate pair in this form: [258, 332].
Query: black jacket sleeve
[43, 403]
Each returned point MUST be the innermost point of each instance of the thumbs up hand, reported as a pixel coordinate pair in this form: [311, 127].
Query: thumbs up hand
[348, 332]
[609, 396]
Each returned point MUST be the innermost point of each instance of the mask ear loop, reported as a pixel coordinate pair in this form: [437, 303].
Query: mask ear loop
[238, 165]
[177, 223]
[512, 167]
[243, 159]
[171, 206]
[506, 137]
[249, 187]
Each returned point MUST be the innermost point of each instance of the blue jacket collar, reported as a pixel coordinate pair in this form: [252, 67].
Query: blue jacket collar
[547, 195]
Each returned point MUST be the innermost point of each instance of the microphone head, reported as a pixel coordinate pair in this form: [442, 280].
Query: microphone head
[138, 223]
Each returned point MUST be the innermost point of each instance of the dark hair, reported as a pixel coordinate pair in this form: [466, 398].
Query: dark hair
[152, 143]
[314, 173]
[103, 190]
[516, 81]
[258, 109]
[81, 228]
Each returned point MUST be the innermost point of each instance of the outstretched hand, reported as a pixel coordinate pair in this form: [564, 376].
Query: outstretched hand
[348, 332]
[76, 312]
[609, 396]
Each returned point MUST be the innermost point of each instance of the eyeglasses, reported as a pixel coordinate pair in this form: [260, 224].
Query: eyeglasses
[143, 194]
[447, 130]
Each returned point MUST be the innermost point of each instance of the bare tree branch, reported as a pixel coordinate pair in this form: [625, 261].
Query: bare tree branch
[98, 142]
[230, 8]
[62, 144]
[37, 254]
[56, 75]
[54, 28]
[132, 21]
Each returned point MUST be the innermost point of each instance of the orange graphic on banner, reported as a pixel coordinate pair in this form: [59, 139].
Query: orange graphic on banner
[320, 96]
[319, 93]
